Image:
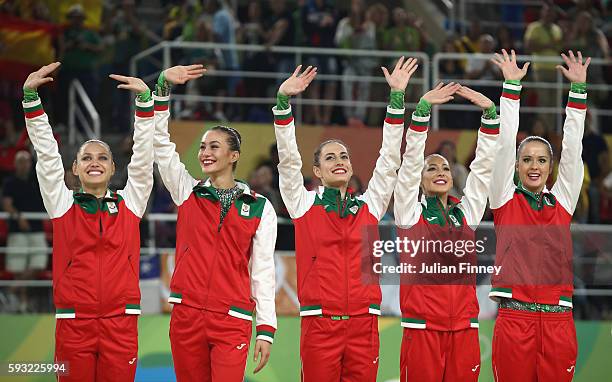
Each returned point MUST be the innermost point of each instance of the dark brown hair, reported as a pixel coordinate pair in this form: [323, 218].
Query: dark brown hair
[317, 153]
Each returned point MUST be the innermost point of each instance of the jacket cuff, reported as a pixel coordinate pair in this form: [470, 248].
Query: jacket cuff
[419, 124]
[161, 103]
[489, 126]
[33, 109]
[282, 117]
[144, 109]
[577, 100]
[512, 91]
[266, 333]
[395, 116]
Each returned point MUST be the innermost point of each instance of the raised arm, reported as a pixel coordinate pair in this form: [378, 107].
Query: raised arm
[291, 182]
[140, 169]
[175, 176]
[384, 177]
[476, 190]
[571, 168]
[502, 180]
[406, 207]
[49, 168]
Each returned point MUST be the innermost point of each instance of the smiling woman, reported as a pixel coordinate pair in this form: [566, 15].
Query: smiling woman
[96, 240]
[339, 339]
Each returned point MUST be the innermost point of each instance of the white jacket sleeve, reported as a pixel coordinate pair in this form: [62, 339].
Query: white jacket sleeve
[502, 180]
[406, 207]
[384, 177]
[140, 169]
[263, 287]
[474, 201]
[57, 198]
[297, 199]
[175, 176]
[571, 168]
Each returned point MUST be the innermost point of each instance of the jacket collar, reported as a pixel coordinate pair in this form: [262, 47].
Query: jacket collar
[205, 189]
[436, 203]
[546, 197]
[110, 196]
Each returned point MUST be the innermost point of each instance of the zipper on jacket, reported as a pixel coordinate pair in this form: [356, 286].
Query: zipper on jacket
[99, 254]
[216, 252]
[444, 212]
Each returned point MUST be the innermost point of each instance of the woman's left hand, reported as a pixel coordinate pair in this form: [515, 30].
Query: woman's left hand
[475, 97]
[261, 347]
[404, 69]
[131, 83]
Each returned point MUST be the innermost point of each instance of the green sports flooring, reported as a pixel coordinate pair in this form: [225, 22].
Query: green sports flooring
[30, 337]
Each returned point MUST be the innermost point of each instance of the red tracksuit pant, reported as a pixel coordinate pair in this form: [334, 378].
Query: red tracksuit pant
[208, 346]
[97, 349]
[339, 350]
[438, 356]
[534, 347]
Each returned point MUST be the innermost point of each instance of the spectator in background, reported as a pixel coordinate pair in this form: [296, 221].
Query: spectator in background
[505, 39]
[378, 14]
[597, 159]
[451, 69]
[484, 69]
[261, 181]
[127, 36]
[26, 250]
[281, 32]
[401, 37]
[356, 31]
[591, 41]
[319, 23]
[458, 171]
[224, 31]
[586, 6]
[469, 42]
[544, 38]
[79, 48]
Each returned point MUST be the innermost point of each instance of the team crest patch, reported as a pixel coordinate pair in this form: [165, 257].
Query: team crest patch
[245, 210]
[354, 209]
[112, 207]
[454, 220]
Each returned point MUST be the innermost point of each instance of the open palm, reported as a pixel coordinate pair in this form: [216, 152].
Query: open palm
[576, 71]
[404, 69]
[130, 83]
[41, 76]
[507, 64]
[180, 74]
[441, 93]
[297, 83]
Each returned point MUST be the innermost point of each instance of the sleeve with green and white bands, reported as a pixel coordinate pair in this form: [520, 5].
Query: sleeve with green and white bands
[474, 200]
[262, 271]
[502, 178]
[297, 199]
[383, 180]
[175, 176]
[57, 198]
[406, 207]
[140, 169]
[571, 168]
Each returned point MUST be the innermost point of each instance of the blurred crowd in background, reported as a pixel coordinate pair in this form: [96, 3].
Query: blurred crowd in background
[126, 27]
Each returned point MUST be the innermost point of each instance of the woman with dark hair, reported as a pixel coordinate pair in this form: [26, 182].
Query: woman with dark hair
[440, 315]
[96, 240]
[534, 337]
[339, 339]
[225, 241]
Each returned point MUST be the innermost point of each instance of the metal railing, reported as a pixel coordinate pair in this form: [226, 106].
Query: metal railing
[300, 54]
[561, 86]
[78, 114]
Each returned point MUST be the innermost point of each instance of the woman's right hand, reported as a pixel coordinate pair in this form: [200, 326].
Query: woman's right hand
[41, 76]
[297, 83]
[507, 64]
[441, 93]
[178, 75]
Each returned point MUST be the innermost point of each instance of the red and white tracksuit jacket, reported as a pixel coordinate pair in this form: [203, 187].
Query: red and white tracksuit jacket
[534, 249]
[96, 243]
[441, 307]
[224, 268]
[526, 225]
[328, 230]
